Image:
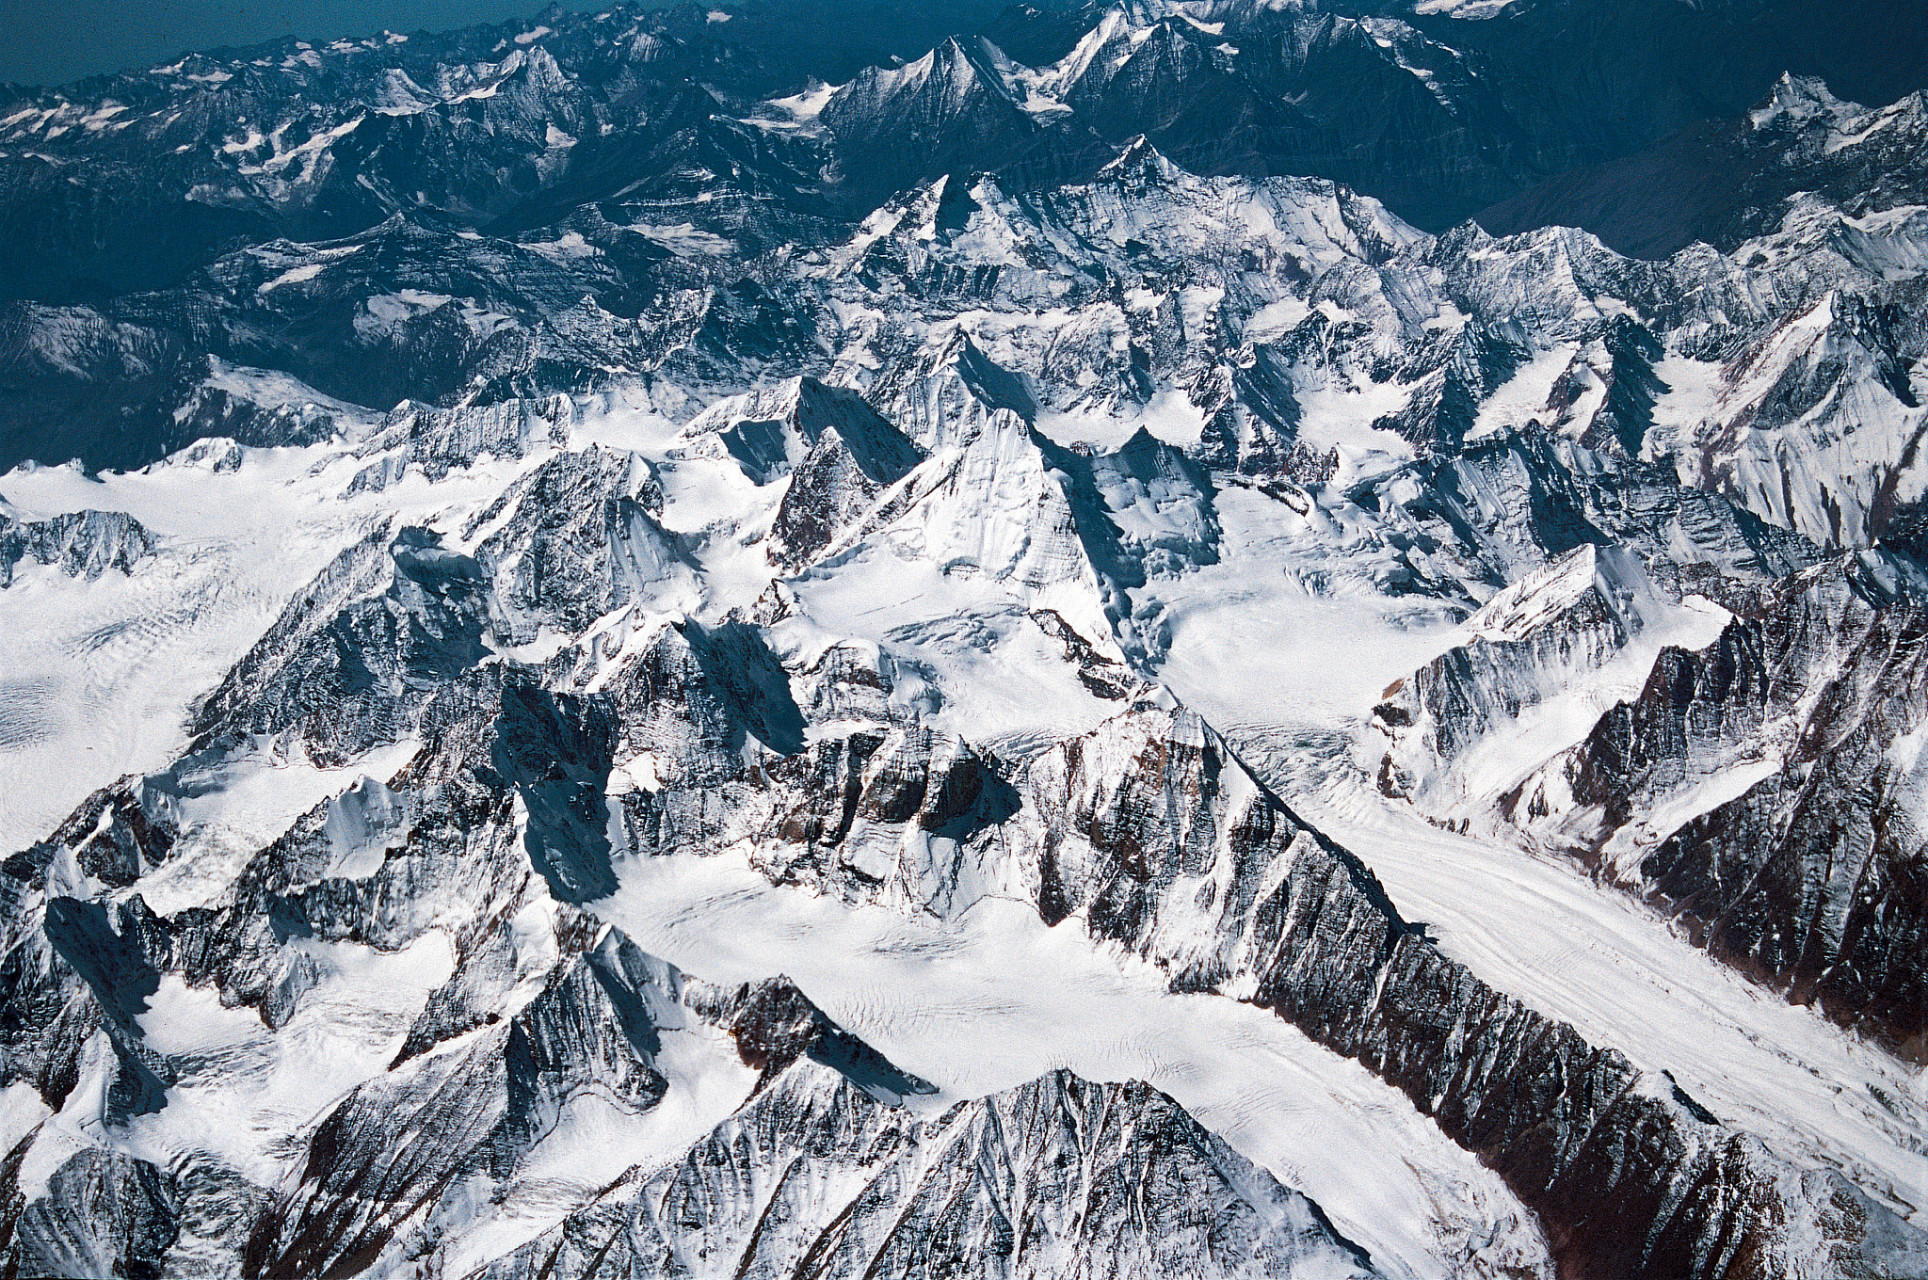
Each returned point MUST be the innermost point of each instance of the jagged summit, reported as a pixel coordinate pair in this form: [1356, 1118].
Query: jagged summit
[770, 433]
[1140, 163]
[1274, 730]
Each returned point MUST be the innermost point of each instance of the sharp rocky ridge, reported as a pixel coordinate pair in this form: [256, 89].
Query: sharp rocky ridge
[674, 642]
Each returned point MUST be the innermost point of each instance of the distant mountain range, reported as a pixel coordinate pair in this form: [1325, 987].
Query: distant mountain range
[1187, 638]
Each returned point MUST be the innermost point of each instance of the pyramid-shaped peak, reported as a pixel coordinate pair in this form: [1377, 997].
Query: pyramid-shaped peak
[1144, 13]
[1142, 162]
[1799, 100]
[992, 384]
[974, 49]
[962, 62]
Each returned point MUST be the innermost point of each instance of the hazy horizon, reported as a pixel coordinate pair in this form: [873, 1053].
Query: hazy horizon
[50, 43]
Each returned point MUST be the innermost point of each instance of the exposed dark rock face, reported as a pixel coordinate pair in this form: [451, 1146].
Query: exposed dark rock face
[775, 1025]
[1811, 877]
[1757, 785]
[1724, 182]
[1152, 835]
[393, 614]
[1059, 1176]
[1028, 1180]
[581, 509]
[1628, 1183]
[1596, 602]
[395, 1146]
[943, 113]
[85, 544]
[837, 453]
[104, 1214]
[792, 464]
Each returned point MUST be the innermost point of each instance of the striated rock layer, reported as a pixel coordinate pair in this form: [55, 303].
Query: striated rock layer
[591, 477]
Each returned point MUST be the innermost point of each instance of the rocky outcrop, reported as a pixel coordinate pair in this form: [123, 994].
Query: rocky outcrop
[1057, 1176]
[1628, 1179]
[84, 544]
[836, 451]
[733, 440]
[1570, 618]
[576, 539]
[104, 1214]
[1784, 758]
[1752, 773]
[549, 1021]
[392, 1158]
[1150, 834]
[354, 656]
[946, 111]
[1544, 657]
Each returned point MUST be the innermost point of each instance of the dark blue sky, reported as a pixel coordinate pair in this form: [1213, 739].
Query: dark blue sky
[53, 41]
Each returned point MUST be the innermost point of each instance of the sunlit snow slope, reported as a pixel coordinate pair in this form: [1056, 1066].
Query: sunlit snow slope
[668, 693]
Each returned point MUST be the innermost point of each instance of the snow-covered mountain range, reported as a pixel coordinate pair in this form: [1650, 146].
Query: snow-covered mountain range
[683, 642]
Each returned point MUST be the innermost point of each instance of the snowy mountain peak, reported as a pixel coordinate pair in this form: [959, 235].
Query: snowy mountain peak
[1274, 729]
[1800, 102]
[1611, 574]
[770, 432]
[1141, 164]
[945, 80]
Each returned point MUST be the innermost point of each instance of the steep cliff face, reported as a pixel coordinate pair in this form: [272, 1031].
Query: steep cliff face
[1629, 1176]
[945, 112]
[1749, 772]
[1056, 1177]
[1149, 833]
[1576, 614]
[1779, 765]
[1789, 405]
[837, 452]
[392, 614]
[1543, 659]
[789, 494]
[551, 1100]
[145, 963]
[83, 544]
[577, 538]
